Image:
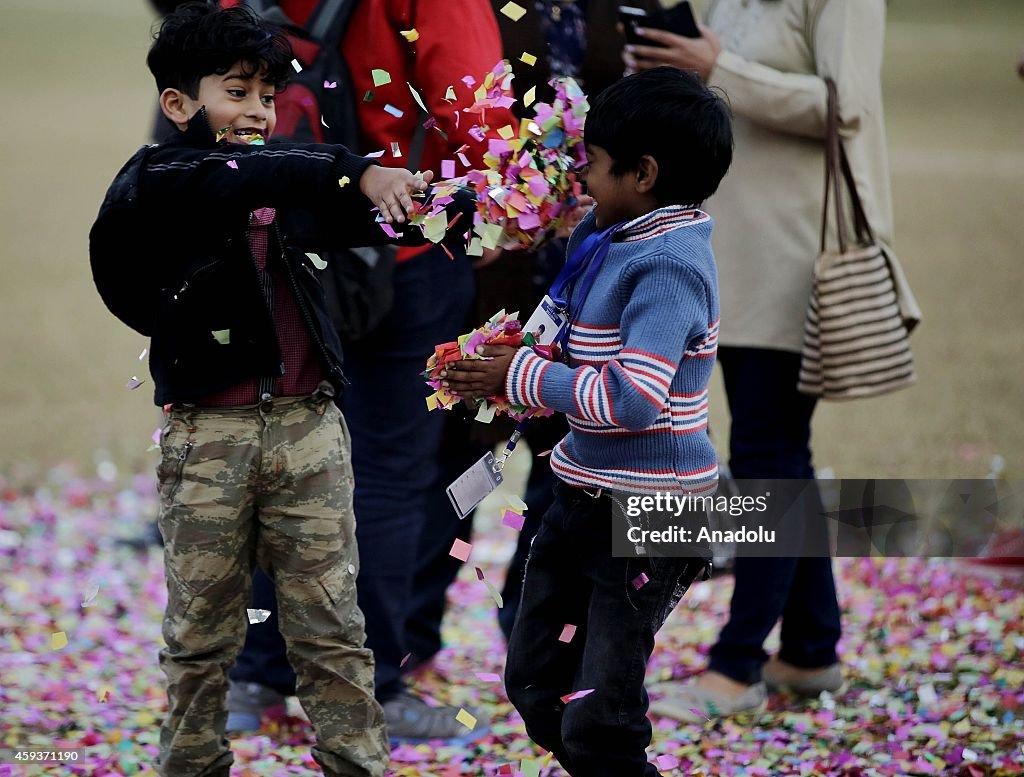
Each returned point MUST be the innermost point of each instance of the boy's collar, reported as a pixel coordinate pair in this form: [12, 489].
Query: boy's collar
[199, 133]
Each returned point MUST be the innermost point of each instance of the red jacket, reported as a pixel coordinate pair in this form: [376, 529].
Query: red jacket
[456, 38]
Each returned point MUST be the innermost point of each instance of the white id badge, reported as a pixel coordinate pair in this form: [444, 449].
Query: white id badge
[473, 485]
[545, 322]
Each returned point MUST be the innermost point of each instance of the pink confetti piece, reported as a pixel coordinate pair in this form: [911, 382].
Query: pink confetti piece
[568, 632]
[640, 581]
[447, 168]
[666, 762]
[542, 454]
[513, 519]
[330, 84]
[404, 660]
[134, 382]
[576, 695]
[469, 81]
[232, 164]
[460, 550]
[488, 677]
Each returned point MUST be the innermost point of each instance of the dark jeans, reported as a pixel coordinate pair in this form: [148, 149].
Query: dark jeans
[395, 445]
[436, 569]
[572, 578]
[770, 439]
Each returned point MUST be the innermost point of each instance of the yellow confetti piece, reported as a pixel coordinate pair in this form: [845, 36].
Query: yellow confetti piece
[58, 640]
[475, 248]
[498, 601]
[490, 234]
[466, 719]
[530, 97]
[417, 98]
[528, 58]
[449, 93]
[432, 402]
[513, 11]
[435, 226]
[507, 132]
[344, 181]
[380, 77]
[318, 263]
[145, 718]
[19, 586]
[222, 336]
[412, 35]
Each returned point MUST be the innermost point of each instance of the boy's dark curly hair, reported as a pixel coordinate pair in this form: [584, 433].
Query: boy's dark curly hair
[671, 115]
[198, 40]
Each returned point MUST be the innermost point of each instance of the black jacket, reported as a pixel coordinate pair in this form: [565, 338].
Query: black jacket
[171, 257]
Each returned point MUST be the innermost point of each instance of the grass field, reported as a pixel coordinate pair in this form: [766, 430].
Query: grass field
[78, 100]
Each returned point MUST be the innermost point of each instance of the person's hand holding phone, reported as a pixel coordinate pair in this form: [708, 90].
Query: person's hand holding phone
[695, 54]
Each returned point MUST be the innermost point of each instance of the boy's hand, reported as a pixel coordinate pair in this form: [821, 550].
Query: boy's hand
[584, 205]
[389, 188]
[472, 378]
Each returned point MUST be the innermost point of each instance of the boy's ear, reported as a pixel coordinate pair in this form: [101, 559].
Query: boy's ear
[176, 107]
[646, 174]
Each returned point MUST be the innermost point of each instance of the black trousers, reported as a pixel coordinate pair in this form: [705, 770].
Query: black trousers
[770, 439]
[572, 578]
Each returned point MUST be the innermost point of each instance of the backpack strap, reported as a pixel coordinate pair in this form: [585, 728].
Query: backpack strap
[326, 23]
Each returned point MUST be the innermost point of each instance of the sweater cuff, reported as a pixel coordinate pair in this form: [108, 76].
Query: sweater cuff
[352, 165]
[522, 381]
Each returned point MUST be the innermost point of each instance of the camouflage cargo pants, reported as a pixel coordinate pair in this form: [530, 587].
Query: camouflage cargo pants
[270, 485]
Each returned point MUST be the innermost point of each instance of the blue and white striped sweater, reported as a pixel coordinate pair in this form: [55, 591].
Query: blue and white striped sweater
[640, 356]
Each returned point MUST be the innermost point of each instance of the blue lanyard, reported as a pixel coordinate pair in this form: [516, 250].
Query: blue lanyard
[585, 261]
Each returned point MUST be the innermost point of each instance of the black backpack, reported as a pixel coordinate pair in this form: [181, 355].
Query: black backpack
[319, 106]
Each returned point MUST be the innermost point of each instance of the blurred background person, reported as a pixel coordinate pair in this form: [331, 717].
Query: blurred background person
[771, 57]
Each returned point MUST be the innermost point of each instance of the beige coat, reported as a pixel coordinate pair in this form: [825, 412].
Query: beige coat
[768, 209]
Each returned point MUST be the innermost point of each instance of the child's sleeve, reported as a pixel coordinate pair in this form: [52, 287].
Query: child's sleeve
[236, 180]
[667, 310]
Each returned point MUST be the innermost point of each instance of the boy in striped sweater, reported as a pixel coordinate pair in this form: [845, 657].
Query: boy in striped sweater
[642, 307]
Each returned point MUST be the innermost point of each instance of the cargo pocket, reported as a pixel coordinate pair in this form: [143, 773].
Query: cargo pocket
[175, 449]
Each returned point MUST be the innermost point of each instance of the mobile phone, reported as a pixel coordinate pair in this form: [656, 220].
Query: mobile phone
[678, 19]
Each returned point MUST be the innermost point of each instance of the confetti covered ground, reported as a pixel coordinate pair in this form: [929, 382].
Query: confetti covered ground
[934, 653]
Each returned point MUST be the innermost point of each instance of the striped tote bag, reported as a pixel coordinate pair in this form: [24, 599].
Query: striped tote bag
[861, 310]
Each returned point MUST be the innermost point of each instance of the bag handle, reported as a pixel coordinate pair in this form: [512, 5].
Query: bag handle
[837, 168]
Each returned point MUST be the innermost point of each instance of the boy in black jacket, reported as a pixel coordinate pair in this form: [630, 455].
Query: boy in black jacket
[201, 244]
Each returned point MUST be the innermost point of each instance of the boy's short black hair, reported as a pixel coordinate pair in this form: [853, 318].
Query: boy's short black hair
[669, 114]
[198, 40]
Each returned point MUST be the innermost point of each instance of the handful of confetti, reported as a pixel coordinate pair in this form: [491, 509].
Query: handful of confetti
[501, 329]
[430, 213]
[529, 182]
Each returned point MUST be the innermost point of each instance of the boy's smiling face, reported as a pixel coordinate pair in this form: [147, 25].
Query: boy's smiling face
[619, 197]
[239, 105]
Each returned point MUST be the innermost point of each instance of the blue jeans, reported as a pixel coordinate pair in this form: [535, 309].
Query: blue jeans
[770, 439]
[572, 578]
[395, 448]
